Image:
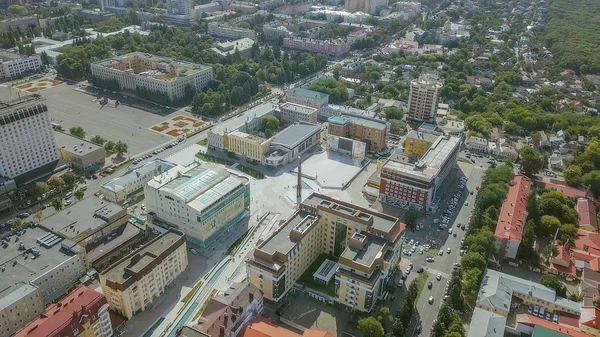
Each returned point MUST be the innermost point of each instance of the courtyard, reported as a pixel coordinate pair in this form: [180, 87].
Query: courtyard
[70, 108]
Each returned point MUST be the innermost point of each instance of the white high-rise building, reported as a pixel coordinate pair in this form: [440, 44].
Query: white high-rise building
[25, 133]
[423, 99]
[179, 7]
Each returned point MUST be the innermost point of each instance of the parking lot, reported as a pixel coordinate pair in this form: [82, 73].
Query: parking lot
[70, 107]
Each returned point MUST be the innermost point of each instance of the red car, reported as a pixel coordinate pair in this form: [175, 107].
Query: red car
[477, 188]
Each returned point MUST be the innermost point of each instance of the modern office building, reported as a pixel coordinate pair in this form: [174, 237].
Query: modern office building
[291, 143]
[132, 182]
[366, 243]
[290, 113]
[423, 99]
[83, 156]
[512, 217]
[83, 312]
[242, 46]
[202, 201]
[42, 267]
[135, 282]
[333, 48]
[228, 313]
[139, 70]
[414, 182]
[28, 146]
[306, 97]
[367, 130]
[14, 65]
[230, 32]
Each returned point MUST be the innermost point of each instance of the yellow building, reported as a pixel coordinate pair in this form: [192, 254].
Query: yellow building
[133, 283]
[247, 146]
[367, 244]
[417, 143]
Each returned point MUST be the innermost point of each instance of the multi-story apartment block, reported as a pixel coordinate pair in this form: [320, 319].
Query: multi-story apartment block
[372, 7]
[133, 181]
[423, 99]
[511, 219]
[230, 32]
[367, 243]
[42, 267]
[202, 201]
[306, 97]
[26, 135]
[13, 65]
[291, 113]
[334, 48]
[132, 284]
[84, 312]
[277, 30]
[367, 130]
[414, 182]
[19, 24]
[179, 7]
[145, 71]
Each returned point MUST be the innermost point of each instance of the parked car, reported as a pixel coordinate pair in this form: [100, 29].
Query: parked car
[430, 300]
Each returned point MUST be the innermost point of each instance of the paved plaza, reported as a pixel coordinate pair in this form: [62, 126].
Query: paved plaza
[330, 170]
[70, 107]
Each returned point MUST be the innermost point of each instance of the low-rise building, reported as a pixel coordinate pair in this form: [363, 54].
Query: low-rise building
[135, 282]
[291, 143]
[366, 242]
[242, 46]
[139, 71]
[477, 144]
[503, 149]
[83, 156]
[14, 65]
[83, 312]
[403, 45]
[330, 110]
[202, 201]
[42, 267]
[307, 97]
[132, 182]
[587, 210]
[276, 30]
[290, 113]
[334, 48]
[230, 32]
[512, 217]
[22, 24]
[260, 328]
[228, 313]
[367, 130]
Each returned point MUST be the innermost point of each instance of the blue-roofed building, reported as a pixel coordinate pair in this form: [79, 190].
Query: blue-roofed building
[202, 201]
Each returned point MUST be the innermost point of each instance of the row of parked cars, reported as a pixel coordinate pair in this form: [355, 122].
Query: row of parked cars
[444, 223]
[542, 312]
[155, 152]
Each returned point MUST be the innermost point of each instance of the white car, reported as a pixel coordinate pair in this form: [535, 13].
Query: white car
[438, 276]
[450, 231]
[436, 221]
[467, 203]
[448, 250]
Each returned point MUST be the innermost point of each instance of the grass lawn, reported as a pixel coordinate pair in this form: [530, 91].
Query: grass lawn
[464, 160]
[307, 280]
[421, 283]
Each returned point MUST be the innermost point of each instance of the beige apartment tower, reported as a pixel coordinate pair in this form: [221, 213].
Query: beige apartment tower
[423, 99]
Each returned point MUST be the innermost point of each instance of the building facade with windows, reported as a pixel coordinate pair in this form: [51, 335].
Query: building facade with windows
[423, 99]
[25, 134]
[13, 65]
[477, 144]
[230, 32]
[137, 70]
[202, 201]
[370, 131]
[134, 283]
[366, 242]
[512, 217]
[413, 182]
[291, 113]
[334, 48]
[83, 156]
[133, 181]
[306, 97]
[83, 312]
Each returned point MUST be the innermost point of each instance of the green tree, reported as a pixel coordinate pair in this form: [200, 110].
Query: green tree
[109, 147]
[473, 260]
[398, 328]
[393, 113]
[121, 148]
[70, 179]
[567, 233]
[17, 223]
[592, 181]
[551, 281]
[269, 125]
[98, 140]
[548, 225]
[16, 11]
[410, 218]
[79, 194]
[597, 302]
[56, 182]
[370, 327]
[57, 203]
[77, 131]
[531, 162]
[40, 188]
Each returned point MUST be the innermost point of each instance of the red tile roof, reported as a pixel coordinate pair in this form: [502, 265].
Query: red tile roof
[590, 316]
[533, 321]
[61, 319]
[261, 328]
[587, 213]
[587, 240]
[568, 191]
[513, 212]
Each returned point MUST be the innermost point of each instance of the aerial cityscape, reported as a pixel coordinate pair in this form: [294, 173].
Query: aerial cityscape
[293, 168]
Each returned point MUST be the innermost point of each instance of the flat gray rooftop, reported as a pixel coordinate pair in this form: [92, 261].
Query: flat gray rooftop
[280, 241]
[117, 272]
[372, 250]
[80, 217]
[109, 245]
[237, 122]
[19, 270]
[78, 146]
[295, 134]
